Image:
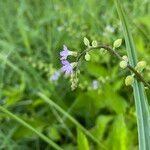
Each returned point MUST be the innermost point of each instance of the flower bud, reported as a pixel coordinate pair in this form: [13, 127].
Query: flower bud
[140, 66]
[129, 80]
[73, 53]
[86, 42]
[94, 43]
[123, 64]
[103, 51]
[117, 43]
[125, 57]
[74, 64]
[74, 83]
[87, 57]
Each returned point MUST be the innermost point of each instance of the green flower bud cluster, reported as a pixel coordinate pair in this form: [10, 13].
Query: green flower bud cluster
[139, 67]
[87, 42]
[39, 65]
[103, 51]
[123, 64]
[74, 81]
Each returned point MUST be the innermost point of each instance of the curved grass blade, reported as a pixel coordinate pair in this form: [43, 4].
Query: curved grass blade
[42, 136]
[74, 121]
[142, 109]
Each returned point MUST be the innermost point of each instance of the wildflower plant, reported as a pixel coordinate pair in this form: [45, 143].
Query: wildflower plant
[50, 111]
[72, 69]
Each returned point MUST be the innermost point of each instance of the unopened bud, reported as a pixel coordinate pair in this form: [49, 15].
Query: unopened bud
[74, 83]
[117, 43]
[103, 51]
[74, 64]
[123, 64]
[86, 42]
[129, 80]
[73, 53]
[94, 43]
[140, 66]
[125, 57]
[87, 57]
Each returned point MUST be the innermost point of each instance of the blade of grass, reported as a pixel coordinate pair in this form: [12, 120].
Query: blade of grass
[74, 121]
[142, 109]
[25, 124]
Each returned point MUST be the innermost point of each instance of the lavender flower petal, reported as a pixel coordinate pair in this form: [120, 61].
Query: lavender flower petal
[55, 76]
[64, 53]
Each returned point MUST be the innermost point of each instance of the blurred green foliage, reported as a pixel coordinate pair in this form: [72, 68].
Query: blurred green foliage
[32, 33]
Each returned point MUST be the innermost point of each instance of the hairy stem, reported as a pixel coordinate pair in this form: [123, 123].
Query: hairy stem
[117, 55]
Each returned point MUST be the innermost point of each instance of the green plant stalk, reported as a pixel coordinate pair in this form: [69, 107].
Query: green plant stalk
[42, 136]
[74, 121]
[142, 110]
[116, 54]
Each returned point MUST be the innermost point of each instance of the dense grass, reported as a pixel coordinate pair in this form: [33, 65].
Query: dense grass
[32, 33]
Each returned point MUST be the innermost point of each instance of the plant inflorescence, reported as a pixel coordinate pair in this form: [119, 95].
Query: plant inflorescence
[72, 69]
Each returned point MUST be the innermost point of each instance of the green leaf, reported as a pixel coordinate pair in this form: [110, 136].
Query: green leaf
[82, 141]
[142, 110]
[72, 119]
[101, 126]
[118, 136]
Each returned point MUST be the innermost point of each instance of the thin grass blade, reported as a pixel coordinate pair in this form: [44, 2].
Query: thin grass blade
[142, 107]
[74, 121]
[25, 124]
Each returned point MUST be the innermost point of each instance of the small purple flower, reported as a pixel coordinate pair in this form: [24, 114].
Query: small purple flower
[95, 84]
[65, 53]
[67, 68]
[55, 76]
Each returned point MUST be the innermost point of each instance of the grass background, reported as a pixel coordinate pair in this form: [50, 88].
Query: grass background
[32, 33]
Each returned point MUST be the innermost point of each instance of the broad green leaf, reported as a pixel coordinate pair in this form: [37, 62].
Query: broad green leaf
[101, 126]
[118, 136]
[82, 141]
[88, 104]
[142, 107]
